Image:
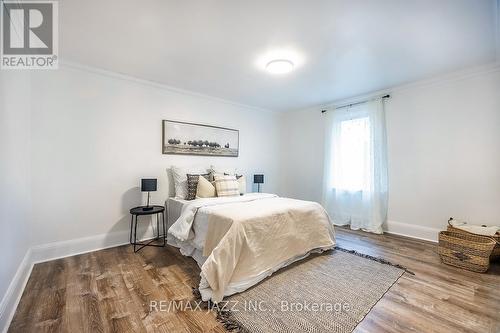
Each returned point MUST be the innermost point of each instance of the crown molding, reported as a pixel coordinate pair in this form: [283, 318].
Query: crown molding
[436, 80]
[65, 64]
[424, 83]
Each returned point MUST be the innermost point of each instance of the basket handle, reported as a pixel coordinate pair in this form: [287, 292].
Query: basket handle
[461, 230]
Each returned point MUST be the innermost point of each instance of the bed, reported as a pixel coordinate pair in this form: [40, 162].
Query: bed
[239, 241]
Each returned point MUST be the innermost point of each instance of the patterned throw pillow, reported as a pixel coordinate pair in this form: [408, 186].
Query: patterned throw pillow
[192, 181]
[242, 182]
[226, 186]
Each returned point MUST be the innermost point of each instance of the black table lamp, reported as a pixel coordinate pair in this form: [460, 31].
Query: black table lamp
[258, 179]
[148, 185]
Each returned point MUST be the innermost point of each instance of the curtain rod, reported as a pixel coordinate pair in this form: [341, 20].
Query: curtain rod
[357, 103]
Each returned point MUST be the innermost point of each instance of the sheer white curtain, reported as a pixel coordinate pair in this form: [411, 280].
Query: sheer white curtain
[355, 179]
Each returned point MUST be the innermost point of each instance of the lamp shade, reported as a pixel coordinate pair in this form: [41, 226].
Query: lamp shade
[148, 185]
[258, 179]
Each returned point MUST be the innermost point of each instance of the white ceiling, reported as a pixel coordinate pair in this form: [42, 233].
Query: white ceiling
[343, 47]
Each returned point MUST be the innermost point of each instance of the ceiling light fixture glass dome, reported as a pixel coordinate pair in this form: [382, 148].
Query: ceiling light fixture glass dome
[279, 66]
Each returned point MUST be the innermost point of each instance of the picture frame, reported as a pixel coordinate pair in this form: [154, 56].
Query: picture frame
[184, 138]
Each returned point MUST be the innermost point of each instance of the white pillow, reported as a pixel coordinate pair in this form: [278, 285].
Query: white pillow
[180, 179]
[205, 189]
[242, 184]
[222, 171]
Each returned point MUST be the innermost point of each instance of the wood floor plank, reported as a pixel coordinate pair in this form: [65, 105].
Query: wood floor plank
[112, 290]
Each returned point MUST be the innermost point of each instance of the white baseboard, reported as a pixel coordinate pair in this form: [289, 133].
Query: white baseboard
[412, 231]
[52, 251]
[15, 291]
[57, 250]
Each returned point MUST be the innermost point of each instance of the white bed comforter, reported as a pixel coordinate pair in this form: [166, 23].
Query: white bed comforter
[251, 237]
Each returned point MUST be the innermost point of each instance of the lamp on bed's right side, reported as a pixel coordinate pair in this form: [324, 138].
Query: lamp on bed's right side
[258, 179]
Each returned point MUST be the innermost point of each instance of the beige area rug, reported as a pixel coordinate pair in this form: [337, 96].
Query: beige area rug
[331, 292]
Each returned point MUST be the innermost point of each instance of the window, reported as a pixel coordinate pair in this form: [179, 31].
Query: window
[352, 159]
[355, 178]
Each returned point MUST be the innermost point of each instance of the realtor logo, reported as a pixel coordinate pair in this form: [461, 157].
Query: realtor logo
[29, 34]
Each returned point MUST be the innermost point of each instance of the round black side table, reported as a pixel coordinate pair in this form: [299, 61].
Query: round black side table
[140, 211]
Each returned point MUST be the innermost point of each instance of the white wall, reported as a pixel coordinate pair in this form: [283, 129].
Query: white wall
[302, 135]
[14, 179]
[443, 145]
[96, 134]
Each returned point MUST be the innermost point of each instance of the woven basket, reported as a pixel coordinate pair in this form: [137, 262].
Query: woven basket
[495, 254]
[465, 250]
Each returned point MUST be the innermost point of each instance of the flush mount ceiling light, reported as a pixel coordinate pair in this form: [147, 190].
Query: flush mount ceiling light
[279, 61]
[279, 66]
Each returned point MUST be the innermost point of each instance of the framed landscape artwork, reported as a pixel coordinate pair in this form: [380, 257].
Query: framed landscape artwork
[196, 139]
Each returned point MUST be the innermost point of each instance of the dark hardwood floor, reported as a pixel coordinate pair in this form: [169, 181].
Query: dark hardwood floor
[111, 290]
